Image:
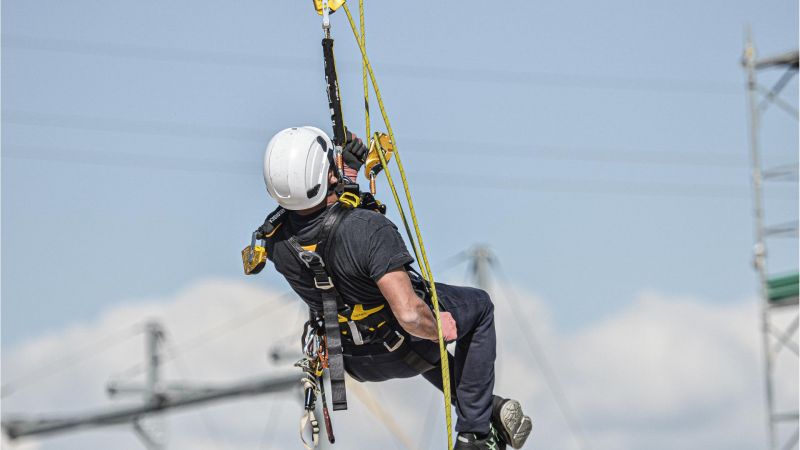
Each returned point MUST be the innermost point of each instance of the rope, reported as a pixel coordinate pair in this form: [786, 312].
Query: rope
[424, 265]
[399, 204]
[374, 406]
[381, 155]
[364, 69]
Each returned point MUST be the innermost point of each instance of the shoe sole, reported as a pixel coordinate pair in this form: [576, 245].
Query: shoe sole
[514, 425]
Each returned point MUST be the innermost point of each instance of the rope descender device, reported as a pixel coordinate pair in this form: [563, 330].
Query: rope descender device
[372, 167]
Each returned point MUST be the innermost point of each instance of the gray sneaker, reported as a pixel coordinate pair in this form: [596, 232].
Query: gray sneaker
[513, 425]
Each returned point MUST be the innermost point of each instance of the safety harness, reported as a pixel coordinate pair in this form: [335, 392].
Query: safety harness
[372, 329]
[362, 329]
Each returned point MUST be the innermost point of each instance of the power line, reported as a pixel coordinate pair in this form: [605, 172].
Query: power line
[431, 421]
[564, 153]
[131, 160]
[183, 370]
[535, 347]
[213, 333]
[135, 126]
[601, 187]
[434, 179]
[58, 365]
[379, 413]
[277, 62]
[268, 435]
[415, 145]
[481, 262]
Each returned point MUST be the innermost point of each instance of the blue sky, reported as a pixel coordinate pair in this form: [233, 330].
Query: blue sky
[599, 148]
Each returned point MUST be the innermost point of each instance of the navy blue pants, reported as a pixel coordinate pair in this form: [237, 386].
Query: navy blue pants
[471, 369]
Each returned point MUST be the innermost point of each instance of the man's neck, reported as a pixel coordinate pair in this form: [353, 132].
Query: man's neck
[329, 200]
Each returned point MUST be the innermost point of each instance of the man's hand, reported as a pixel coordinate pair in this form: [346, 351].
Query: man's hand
[449, 328]
[354, 151]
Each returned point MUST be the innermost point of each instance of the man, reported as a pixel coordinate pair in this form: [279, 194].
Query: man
[370, 267]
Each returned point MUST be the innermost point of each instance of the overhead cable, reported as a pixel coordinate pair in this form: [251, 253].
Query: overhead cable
[281, 62]
[433, 179]
[183, 370]
[428, 146]
[60, 364]
[214, 332]
[536, 349]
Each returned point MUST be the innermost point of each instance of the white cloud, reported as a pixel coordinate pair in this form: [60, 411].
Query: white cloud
[666, 373]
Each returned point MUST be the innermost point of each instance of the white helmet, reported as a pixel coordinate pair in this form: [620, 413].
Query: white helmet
[296, 167]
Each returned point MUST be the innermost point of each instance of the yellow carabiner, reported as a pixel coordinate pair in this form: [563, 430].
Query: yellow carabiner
[350, 199]
[333, 5]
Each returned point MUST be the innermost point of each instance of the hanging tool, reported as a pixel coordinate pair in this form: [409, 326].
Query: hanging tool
[254, 257]
[313, 364]
[309, 419]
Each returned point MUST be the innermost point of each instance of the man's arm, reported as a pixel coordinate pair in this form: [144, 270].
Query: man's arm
[410, 311]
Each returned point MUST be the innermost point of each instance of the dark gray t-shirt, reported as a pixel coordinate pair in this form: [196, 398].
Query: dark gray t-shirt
[365, 247]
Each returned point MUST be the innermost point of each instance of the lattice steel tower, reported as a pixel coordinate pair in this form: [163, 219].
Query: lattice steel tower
[779, 294]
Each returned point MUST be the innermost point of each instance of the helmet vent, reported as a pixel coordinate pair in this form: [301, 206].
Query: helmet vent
[313, 191]
[322, 143]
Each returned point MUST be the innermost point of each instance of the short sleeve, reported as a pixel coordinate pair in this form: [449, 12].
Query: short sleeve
[387, 251]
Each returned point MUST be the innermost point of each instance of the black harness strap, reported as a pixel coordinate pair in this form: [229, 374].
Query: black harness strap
[334, 344]
[331, 301]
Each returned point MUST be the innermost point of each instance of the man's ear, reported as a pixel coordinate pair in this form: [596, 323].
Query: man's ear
[332, 179]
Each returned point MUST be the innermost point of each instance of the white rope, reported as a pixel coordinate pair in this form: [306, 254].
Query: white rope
[308, 419]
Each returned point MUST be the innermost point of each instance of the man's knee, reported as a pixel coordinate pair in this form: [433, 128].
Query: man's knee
[485, 301]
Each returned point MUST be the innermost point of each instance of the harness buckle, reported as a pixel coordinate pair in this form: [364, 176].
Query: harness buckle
[311, 259]
[357, 339]
[396, 345]
[323, 283]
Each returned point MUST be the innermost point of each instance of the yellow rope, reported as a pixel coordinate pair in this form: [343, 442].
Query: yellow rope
[424, 265]
[381, 155]
[364, 70]
[397, 201]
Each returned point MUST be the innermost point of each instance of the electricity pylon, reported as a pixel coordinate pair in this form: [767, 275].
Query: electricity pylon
[158, 399]
[778, 293]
